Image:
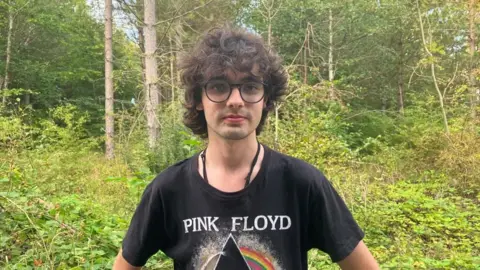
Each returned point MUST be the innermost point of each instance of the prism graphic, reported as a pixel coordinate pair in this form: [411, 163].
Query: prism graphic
[231, 257]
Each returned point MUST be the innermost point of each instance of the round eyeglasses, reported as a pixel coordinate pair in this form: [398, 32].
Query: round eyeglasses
[219, 91]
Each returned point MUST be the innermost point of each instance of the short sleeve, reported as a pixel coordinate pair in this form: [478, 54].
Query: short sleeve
[332, 227]
[146, 234]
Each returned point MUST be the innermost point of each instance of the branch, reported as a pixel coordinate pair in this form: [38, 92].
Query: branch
[411, 75]
[170, 23]
[345, 43]
[451, 81]
[299, 51]
[18, 10]
[432, 69]
[133, 12]
[290, 94]
[183, 14]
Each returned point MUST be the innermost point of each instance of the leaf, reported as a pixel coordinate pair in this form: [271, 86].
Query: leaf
[12, 194]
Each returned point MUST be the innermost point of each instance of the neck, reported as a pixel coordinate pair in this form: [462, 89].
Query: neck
[231, 154]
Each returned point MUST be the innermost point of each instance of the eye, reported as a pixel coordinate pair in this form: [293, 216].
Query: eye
[251, 88]
[218, 87]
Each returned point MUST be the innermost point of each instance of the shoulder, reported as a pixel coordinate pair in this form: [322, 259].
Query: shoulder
[298, 170]
[172, 176]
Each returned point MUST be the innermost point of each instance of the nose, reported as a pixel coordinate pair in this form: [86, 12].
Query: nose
[235, 99]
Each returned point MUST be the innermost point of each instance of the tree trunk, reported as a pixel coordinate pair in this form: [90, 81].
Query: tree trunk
[475, 93]
[401, 105]
[269, 40]
[27, 99]
[269, 44]
[305, 62]
[331, 90]
[151, 76]
[172, 72]
[9, 48]
[275, 144]
[178, 45]
[432, 70]
[109, 113]
[141, 44]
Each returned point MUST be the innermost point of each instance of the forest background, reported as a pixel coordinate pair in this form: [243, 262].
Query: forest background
[383, 97]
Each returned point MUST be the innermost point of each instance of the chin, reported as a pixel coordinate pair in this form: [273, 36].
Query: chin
[234, 134]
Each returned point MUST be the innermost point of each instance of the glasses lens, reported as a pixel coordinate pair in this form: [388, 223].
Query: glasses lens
[217, 91]
[252, 92]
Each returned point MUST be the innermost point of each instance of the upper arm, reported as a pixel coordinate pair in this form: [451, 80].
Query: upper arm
[122, 264]
[146, 234]
[359, 259]
[332, 227]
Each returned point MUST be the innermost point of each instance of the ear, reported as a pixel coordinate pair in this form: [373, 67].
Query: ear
[199, 107]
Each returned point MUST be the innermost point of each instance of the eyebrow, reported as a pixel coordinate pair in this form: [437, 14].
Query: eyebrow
[245, 79]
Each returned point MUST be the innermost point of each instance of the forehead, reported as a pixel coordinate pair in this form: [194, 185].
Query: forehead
[235, 75]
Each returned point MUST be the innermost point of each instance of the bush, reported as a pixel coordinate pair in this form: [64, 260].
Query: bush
[422, 225]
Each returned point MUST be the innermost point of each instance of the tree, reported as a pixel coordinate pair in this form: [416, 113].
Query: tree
[8, 53]
[269, 10]
[432, 68]
[151, 75]
[475, 93]
[109, 107]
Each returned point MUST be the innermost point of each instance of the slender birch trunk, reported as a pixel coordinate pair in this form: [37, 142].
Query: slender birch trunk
[8, 52]
[109, 110]
[151, 74]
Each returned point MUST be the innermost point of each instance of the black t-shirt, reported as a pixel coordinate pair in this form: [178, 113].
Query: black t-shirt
[289, 208]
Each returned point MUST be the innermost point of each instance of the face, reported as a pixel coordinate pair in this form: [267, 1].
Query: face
[233, 119]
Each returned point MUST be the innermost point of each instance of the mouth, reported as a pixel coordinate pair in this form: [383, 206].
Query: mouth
[234, 118]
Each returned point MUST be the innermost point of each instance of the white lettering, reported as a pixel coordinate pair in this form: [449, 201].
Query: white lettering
[259, 223]
[273, 222]
[187, 223]
[245, 225]
[195, 222]
[202, 223]
[265, 223]
[234, 223]
[282, 225]
[211, 224]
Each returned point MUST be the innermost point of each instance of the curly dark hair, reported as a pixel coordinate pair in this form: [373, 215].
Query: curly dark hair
[220, 49]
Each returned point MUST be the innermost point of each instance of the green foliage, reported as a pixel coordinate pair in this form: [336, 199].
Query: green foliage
[413, 188]
[422, 225]
[174, 144]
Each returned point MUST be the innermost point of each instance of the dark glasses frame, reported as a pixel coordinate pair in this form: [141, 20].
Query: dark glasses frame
[240, 87]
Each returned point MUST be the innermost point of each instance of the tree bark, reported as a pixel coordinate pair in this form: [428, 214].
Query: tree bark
[475, 93]
[331, 90]
[151, 76]
[8, 52]
[109, 110]
[305, 61]
[172, 72]
[179, 32]
[269, 17]
[401, 105]
[269, 38]
[141, 42]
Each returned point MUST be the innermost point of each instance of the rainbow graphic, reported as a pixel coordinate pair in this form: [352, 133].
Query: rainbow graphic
[255, 260]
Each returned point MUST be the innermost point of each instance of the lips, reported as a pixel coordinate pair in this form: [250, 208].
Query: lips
[235, 118]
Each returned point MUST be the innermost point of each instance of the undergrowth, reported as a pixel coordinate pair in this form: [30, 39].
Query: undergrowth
[415, 194]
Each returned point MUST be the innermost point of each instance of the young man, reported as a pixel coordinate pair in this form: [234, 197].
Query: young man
[238, 204]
